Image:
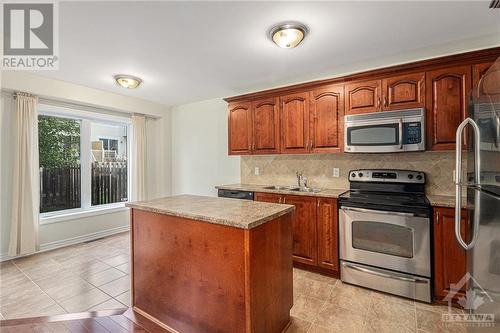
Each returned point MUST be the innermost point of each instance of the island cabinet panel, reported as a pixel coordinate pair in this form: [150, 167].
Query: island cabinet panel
[486, 82]
[271, 292]
[450, 259]
[328, 237]
[447, 91]
[305, 248]
[326, 118]
[240, 128]
[404, 91]
[363, 97]
[193, 276]
[295, 123]
[266, 126]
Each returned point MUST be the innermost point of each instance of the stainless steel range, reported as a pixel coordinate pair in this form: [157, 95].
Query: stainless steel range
[385, 241]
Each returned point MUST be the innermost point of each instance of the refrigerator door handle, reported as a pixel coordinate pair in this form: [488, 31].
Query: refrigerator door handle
[458, 180]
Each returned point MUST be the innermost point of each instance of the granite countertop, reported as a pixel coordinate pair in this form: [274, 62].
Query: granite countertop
[244, 214]
[324, 193]
[435, 200]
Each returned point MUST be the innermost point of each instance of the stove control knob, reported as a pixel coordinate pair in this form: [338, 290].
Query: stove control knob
[410, 176]
[360, 174]
[419, 177]
[353, 175]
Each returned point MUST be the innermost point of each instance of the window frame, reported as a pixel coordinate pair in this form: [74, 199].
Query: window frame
[86, 118]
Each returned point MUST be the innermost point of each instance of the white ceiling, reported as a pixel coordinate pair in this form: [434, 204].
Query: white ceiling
[191, 51]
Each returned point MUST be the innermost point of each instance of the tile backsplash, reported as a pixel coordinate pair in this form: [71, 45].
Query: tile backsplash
[318, 168]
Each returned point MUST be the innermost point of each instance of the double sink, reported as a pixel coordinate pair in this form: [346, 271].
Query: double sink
[293, 188]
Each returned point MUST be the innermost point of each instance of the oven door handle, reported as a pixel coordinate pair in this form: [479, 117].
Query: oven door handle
[394, 277]
[400, 133]
[364, 210]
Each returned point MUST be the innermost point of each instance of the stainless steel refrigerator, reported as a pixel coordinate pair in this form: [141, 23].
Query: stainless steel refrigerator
[480, 183]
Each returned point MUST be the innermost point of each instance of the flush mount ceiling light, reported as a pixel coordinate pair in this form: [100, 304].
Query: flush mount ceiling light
[288, 35]
[127, 81]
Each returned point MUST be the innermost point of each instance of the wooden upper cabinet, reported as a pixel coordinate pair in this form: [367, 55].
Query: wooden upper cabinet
[450, 259]
[266, 126]
[304, 229]
[363, 97]
[295, 123]
[328, 237]
[486, 82]
[447, 91]
[404, 91]
[240, 129]
[326, 117]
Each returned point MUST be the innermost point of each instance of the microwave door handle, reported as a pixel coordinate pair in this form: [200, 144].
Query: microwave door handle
[400, 133]
[458, 180]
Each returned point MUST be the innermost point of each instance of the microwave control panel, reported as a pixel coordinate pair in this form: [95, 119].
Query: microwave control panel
[412, 133]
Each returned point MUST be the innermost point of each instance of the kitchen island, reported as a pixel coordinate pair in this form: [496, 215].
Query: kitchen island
[205, 264]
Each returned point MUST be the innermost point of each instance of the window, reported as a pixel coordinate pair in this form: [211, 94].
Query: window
[83, 162]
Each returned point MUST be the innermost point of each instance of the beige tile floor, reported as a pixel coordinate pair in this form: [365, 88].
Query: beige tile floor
[84, 277]
[95, 276]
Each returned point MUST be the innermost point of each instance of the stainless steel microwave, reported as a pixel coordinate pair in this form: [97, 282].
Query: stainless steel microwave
[385, 132]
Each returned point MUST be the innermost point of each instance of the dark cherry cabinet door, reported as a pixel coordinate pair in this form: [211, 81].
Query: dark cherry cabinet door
[486, 82]
[404, 91]
[328, 246]
[240, 129]
[268, 197]
[363, 97]
[326, 117]
[450, 259]
[295, 123]
[447, 91]
[266, 126]
[305, 249]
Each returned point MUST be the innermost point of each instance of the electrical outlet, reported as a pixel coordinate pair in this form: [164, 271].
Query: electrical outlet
[257, 171]
[336, 172]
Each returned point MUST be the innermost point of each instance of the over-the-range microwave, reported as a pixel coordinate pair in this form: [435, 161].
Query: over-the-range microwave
[385, 132]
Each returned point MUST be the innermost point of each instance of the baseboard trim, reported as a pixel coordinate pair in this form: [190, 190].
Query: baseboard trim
[71, 241]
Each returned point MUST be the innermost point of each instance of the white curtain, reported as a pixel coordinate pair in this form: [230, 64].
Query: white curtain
[25, 194]
[138, 157]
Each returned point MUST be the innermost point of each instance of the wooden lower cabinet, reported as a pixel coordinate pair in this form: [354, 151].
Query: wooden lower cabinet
[305, 248]
[315, 231]
[450, 259]
[328, 234]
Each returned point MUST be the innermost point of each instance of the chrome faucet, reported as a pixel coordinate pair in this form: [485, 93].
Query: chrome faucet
[301, 179]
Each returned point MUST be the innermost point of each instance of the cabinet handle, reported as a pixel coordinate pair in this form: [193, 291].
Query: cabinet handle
[312, 145]
[385, 101]
[378, 102]
[253, 146]
[284, 200]
[250, 147]
[437, 217]
[317, 203]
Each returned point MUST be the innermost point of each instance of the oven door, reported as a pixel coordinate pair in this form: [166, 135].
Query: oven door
[393, 240]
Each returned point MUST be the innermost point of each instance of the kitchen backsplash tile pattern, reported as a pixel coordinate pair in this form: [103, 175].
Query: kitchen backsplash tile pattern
[318, 168]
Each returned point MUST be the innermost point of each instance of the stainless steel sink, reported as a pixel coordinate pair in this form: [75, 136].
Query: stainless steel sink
[294, 189]
[277, 187]
[306, 189]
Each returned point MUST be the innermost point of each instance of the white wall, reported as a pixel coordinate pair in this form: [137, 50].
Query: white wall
[77, 229]
[199, 148]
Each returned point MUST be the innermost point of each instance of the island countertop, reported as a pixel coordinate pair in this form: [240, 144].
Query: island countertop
[244, 214]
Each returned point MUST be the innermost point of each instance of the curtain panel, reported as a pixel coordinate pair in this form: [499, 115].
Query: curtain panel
[138, 157]
[25, 194]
